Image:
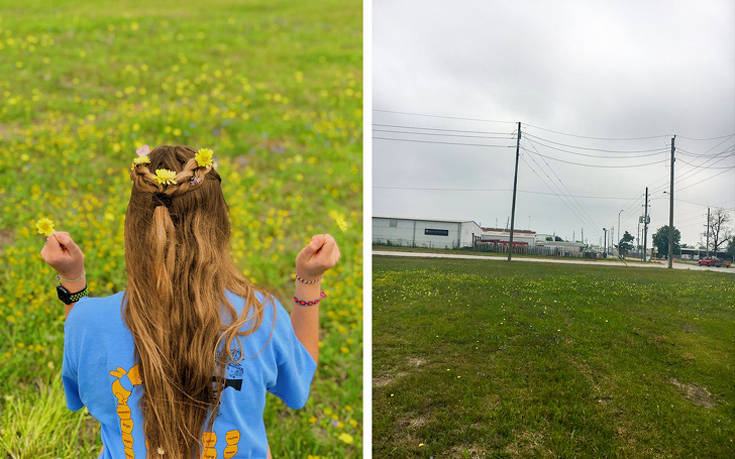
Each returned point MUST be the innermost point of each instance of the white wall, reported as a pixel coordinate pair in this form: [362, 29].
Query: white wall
[412, 233]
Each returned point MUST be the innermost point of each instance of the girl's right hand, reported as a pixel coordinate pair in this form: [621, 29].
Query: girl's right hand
[318, 256]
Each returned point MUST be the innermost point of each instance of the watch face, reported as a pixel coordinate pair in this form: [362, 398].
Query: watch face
[63, 294]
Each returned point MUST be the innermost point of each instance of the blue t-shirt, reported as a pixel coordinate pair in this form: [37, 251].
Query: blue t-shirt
[99, 372]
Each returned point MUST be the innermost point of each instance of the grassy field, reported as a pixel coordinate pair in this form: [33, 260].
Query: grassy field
[274, 87]
[480, 253]
[478, 359]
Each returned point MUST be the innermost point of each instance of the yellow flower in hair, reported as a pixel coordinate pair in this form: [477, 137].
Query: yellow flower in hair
[204, 157]
[165, 177]
[45, 226]
[142, 160]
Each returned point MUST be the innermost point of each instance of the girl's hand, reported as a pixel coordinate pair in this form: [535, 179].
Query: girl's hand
[63, 255]
[318, 256]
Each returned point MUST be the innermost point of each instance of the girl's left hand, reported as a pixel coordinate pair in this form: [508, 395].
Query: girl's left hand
[63, 255]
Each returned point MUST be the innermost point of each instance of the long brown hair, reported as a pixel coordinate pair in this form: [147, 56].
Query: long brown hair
[177, 255]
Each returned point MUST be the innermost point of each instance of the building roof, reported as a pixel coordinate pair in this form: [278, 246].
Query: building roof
[504, 230]
[428, 219]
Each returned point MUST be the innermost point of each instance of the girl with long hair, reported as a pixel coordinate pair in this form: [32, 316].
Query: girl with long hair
[178, 364]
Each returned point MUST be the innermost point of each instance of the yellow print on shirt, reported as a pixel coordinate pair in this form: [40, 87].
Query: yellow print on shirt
[123, 410]
[209, 440]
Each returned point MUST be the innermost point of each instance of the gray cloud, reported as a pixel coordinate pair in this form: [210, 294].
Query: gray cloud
[608, 69]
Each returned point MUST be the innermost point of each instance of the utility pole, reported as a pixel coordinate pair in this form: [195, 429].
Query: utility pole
[604, 245]
[619, 236]
[707, 246]
[515, 187]
[671, 206]
[582, 236]
[645, 226]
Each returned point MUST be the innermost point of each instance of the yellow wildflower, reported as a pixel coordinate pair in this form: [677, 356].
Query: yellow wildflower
[345, 437]
[45, 226]
[142, 160]
[204, 157]
[339, 219]
[165, 177]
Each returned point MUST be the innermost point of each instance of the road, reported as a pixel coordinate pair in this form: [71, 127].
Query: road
[551, 260]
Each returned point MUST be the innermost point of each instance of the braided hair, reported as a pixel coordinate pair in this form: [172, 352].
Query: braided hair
[177, 254]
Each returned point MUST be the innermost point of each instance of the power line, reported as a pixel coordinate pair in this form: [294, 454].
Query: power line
[596, 138]
[442, 116]
[561, 197]
[606, 166]
[442, 134]
[553, 172]
[703, 180]
[707, 167]
[594, 149]
[657, 151]
[441, 142]
[387, 187]
[707, 138]
[403, 126]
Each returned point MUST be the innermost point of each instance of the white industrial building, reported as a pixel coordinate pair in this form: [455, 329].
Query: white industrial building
[430, 233]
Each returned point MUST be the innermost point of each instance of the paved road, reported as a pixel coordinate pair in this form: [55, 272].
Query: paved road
[550, 260]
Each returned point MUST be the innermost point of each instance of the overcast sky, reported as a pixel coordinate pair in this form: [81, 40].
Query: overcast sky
[597, 69]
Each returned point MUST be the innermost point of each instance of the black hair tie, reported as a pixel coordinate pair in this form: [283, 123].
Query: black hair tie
[161, 199]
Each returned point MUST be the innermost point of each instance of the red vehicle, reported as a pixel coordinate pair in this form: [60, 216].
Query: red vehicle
[707, 262]
[714, 262]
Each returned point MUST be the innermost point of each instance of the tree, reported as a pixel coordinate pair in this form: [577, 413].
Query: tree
[557, 238]
[549, 238]
[719, 232]
[661, 240]
[731, 248]
[626, 244]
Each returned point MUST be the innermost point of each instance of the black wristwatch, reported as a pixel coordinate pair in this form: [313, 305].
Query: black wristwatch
[67, 297]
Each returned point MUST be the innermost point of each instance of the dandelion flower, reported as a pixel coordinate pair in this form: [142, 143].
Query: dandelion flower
[165, 176]
[141, 160]
[204, 157]
[345, 437]
[339, 219]
[45, 226]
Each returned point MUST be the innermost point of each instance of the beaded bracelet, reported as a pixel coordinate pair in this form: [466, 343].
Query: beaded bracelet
[312, 302]
[308, 282]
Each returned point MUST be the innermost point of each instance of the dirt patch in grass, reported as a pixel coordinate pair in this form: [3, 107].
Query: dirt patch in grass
[416, 361]
[695, 394]
[473, 451]
[387, 379]
[527, 444]
[6, 237]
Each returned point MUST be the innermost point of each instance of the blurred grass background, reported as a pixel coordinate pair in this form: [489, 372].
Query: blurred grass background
[274, 87]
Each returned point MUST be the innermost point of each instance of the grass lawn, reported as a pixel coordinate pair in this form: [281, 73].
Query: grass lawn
[500, 254]
[273, 87]
[477, 359]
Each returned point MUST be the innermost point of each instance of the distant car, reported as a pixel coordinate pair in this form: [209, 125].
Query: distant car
[714, 262]
[708, 262]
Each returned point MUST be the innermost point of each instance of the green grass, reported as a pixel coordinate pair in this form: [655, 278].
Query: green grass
[481, 253]
[274, 87]
[477, 359]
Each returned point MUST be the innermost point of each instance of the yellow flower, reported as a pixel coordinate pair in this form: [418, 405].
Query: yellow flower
[165, 177]
[142, 160]
[345, 437]
[339, 219]
[45, 226]
[204, 157]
